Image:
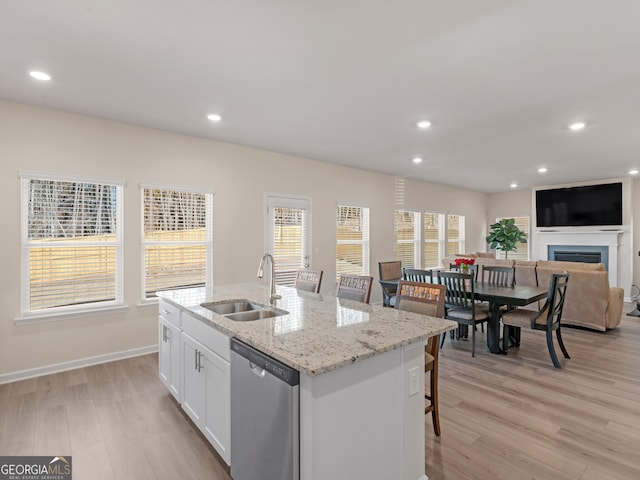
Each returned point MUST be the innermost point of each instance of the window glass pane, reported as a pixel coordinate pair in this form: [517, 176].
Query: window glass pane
[433, 240]
[407, 227]
[176, 238]
[288, 243]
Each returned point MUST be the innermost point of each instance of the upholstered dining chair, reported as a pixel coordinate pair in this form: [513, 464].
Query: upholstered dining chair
[546, 319]
[354, 287]
[389, 271]
[426, 299]
[308, 280]
[460, 303]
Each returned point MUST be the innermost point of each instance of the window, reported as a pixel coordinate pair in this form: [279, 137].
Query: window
[407, 229]
[176, 239]
[455, 234]
[288, 236]
[522, 252]
[434, 231]
[71, 243]
[352, 241]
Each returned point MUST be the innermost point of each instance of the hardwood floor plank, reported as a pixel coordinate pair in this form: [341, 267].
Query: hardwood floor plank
[92, 463]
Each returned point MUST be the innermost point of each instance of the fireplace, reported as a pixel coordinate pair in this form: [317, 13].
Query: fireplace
[579, 253]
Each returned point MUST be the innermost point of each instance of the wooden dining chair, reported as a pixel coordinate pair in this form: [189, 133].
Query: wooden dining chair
[496, 275]
[547, 319]
[308, 280]
[417, 275]
[460, 303]
[354, 287]
[389, 271]
[426, 299]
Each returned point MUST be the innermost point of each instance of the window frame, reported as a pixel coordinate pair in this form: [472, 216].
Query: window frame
[461, 234]
[27, 315]
[417, 237]
[207, 242]
[441, 241]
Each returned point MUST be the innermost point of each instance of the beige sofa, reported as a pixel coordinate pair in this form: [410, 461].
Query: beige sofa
[590, 301]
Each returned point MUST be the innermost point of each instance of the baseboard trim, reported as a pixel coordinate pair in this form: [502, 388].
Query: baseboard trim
[73, 364]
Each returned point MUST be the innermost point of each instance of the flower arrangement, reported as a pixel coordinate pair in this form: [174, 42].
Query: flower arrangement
[464, 263]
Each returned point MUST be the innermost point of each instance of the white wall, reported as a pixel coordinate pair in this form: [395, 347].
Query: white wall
[53, 141]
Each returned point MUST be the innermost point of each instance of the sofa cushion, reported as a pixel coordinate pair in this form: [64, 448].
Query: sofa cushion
[570, 265]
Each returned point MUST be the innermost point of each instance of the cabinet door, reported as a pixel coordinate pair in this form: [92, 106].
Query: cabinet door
[217, 416]
[164, 354]
[193, 384]
[169, 360]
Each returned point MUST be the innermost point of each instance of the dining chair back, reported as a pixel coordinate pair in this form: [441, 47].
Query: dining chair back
[426, 299]
[547, 319]
[354, 287]
[308, 280]
[389, 271]
[460, 303]
[495, 275]
[417, 275]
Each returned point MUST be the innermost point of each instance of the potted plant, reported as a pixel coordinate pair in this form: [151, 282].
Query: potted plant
[505, 235]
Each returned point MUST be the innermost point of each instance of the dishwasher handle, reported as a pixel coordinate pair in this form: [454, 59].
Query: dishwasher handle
[257, 371]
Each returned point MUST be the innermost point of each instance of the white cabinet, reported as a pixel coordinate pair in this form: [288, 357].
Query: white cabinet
[169, 345]
[206, 396]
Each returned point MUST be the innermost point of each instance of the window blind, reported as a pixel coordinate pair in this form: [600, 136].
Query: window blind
[407, 230]
[433, 240]
[290, 243]
[455, 234]
[177, 235]
[352, 240]
[71, 243]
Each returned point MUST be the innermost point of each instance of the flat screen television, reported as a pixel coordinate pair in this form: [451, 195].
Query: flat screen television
[580, 206]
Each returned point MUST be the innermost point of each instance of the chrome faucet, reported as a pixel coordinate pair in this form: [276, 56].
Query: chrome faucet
[272, 284]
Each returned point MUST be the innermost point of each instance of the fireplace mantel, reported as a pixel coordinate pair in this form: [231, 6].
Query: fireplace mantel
[607, 238]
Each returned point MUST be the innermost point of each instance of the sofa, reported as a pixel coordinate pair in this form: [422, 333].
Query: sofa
[590, 301]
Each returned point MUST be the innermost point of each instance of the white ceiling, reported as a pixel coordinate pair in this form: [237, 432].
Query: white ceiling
[345, 81]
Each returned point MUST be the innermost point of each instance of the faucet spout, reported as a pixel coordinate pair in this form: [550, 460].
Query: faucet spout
[272, 284]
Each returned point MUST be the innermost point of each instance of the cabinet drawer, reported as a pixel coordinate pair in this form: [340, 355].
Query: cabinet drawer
[211, 338]
[170, 312]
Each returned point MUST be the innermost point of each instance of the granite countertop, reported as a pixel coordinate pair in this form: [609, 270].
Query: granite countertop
[320, 332]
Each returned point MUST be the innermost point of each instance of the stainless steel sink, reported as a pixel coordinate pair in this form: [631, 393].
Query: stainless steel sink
[256, 314]
[243, 310]
[233, 306]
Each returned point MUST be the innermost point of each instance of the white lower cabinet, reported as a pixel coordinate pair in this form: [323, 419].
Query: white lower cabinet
[206, 393]
[169, 358]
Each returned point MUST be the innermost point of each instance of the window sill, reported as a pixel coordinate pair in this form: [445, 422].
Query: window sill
[35, 318]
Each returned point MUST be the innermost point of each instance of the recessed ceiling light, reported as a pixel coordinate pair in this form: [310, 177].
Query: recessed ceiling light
[633, 171]
[214, 117]
[40, 75]
[577, 126]
[514, 185]
[542, 170]
[417, 160]
[424, 124]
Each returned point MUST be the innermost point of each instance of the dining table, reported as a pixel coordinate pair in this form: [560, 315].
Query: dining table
[498, 296]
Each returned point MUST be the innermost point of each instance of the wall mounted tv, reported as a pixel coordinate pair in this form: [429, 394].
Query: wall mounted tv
[580, 206]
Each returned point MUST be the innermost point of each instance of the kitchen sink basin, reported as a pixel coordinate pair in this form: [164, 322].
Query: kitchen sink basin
[233, 306]
[243, 310]
[256, 314]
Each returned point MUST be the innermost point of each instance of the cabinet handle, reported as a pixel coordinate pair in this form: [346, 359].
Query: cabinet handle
[164, 333]
[195, 357]
[200, 366]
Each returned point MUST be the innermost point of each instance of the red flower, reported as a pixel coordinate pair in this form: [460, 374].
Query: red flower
[465, 261]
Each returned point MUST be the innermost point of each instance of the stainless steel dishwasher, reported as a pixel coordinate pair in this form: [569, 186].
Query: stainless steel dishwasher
[264, 416]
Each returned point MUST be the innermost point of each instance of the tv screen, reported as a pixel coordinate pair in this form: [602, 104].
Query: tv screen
[580, 206]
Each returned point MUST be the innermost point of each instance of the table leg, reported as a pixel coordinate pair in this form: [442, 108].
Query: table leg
[493, 329]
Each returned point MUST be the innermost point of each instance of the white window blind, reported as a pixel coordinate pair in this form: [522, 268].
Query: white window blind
[177, 238]
[522, 252]
[71, 243]
[407, 229]
[352, 240]
[290, 243]
[433, 247]
[455, 234]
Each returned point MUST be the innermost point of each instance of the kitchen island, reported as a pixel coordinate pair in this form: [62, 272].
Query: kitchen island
[361, 375]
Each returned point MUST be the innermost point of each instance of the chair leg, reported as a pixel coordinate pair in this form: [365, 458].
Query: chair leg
[561, 343]
[473, 341]
[505, 337]
[435, 412]
[552, 351]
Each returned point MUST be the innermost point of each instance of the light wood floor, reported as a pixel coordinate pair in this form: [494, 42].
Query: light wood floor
[503, 417]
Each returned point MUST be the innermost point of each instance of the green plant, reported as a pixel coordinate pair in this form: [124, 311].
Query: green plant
[505, 235]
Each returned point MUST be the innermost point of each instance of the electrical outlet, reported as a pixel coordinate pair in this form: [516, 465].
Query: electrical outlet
[413, 381]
